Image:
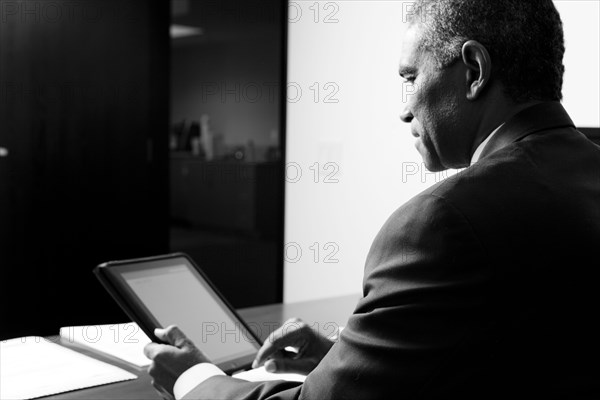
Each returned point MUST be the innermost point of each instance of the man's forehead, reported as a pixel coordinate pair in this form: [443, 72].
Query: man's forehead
[411, 51]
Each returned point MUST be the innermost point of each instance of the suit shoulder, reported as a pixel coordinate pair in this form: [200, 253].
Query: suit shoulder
[426, 223]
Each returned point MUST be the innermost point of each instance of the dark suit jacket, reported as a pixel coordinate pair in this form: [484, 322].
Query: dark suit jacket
[483, 286]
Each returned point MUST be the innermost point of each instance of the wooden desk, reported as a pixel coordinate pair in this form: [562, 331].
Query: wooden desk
[323, 315]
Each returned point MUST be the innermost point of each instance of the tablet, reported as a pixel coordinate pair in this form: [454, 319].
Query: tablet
[171, 289]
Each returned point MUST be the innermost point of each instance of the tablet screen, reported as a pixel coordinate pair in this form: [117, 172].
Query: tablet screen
[174, 293]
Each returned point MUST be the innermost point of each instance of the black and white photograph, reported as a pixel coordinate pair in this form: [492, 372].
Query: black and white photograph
[299, 199]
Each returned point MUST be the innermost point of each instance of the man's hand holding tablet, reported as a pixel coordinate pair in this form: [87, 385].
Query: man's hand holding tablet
[171, 360]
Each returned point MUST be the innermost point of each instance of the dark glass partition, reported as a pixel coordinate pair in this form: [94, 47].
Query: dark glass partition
[226, 149]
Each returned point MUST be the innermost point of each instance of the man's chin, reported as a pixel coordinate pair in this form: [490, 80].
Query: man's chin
[430, 160]
[432, 167]
[432, 164]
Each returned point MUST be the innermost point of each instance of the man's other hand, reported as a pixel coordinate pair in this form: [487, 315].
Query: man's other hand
[169, 361]
[309, 349]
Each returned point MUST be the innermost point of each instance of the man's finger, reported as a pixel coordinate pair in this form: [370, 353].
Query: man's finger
[281, 338]
[152, 349]
[161, 334]
[268, 349]
[283, 365]
[173, 335]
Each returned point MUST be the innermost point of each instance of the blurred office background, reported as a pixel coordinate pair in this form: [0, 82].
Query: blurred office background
[227, 68]
[132, 128]
[135, 128]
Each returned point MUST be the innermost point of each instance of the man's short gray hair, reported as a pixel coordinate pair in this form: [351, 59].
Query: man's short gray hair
[524, 38]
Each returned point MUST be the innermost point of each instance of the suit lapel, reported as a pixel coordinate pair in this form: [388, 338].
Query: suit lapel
[534, 119]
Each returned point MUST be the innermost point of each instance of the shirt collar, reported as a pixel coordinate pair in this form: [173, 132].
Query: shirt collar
[532, 120]
[480, 148]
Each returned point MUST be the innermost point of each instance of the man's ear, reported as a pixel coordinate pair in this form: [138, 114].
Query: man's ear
[479, 68]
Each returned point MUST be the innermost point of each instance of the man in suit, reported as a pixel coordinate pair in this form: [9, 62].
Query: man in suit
[484, 285]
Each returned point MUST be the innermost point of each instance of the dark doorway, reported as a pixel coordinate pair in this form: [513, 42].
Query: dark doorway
[226, 147]
[83, 179]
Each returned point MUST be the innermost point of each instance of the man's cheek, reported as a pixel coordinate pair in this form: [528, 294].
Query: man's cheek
[409, 91]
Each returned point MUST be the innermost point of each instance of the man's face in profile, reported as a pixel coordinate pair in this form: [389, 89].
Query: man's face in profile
[435, 109]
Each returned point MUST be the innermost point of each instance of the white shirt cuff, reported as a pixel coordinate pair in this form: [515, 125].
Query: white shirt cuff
[193, 377]
[336, 336]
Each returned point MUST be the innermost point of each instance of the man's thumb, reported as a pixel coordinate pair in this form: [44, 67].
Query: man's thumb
[172, 335]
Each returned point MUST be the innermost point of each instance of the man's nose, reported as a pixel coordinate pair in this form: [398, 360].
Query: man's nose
[406, 116]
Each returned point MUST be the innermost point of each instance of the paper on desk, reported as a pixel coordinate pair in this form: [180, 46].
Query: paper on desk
[33, 367]
[124, 341]
[261, 374]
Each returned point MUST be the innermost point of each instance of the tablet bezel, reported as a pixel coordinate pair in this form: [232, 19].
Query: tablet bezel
[109, 274]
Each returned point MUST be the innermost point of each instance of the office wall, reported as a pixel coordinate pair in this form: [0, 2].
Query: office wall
[344, 102]
[581, 90]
